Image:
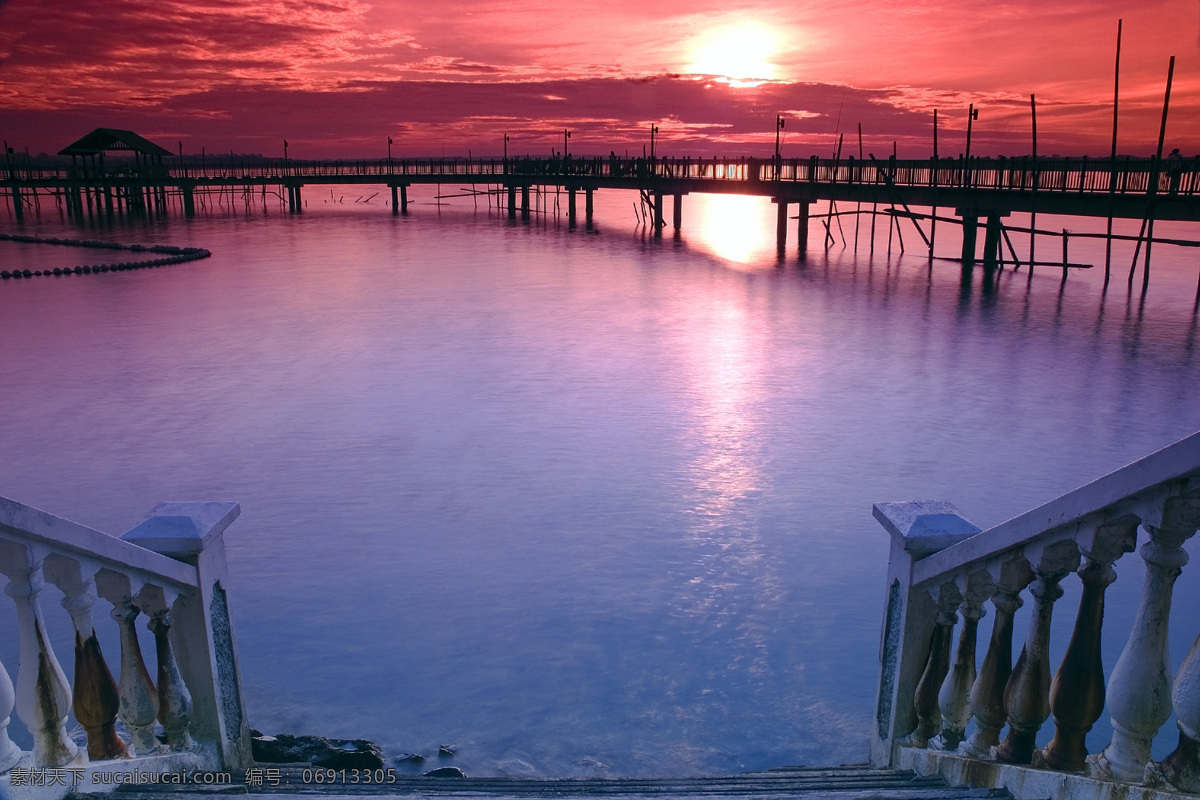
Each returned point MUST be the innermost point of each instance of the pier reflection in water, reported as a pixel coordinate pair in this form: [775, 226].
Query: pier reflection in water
[570, 498]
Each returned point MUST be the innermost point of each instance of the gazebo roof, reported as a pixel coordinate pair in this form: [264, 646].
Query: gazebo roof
[102, 139]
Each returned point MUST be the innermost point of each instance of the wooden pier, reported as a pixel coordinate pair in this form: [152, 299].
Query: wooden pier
[980, 192]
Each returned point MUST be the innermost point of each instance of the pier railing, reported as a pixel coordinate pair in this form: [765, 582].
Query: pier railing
[1023, 173]
[169, 569]
[937, 714]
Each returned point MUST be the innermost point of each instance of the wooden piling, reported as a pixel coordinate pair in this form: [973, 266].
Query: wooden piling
[802, 227]
[1066, 235]
[970, 225]
[781, 219]
[991, 242]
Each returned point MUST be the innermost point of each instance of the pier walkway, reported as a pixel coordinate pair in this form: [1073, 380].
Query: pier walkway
[979, 191]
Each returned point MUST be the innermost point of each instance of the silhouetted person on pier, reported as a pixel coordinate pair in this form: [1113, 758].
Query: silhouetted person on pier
[1174, 169]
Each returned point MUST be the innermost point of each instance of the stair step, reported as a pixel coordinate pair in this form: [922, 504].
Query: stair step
[854, 782]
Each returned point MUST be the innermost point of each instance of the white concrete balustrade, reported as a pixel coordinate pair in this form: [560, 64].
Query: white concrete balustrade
[168, 570]
[943, 567]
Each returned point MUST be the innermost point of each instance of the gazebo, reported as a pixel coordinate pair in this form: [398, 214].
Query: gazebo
[139, 189]
[103, 140]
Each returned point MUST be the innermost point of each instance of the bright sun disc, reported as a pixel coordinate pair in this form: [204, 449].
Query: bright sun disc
[741, 54]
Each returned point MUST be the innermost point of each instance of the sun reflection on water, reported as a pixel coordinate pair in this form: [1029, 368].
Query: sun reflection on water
[731, 227]
[731, 576]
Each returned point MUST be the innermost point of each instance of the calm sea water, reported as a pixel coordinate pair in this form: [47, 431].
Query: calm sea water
[578, 502]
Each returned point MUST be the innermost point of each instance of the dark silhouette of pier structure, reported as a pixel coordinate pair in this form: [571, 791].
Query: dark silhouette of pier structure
[976, 193]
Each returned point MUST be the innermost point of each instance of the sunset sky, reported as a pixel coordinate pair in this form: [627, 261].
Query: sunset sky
[337, 77]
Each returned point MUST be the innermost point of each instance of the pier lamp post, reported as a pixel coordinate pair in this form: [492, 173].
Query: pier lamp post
[972, 115]
[778, 127]
[935, 127]
[390, 170]
[285, 158]
[653, 131]
[566, 135]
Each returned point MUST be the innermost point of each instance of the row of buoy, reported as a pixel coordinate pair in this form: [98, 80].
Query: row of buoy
[176, 255]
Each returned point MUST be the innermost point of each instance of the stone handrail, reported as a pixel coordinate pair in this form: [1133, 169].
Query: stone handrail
[171, 568]
[931, 695]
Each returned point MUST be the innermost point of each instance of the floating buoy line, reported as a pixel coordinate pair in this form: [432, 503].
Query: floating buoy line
[168, 255]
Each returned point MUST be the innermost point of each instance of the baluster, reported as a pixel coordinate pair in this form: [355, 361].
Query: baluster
[929, 716]
[1077, 694]
[953, 698]
[1181, 769]
[1141, 681]
[139, 698]
[987, 693]
[174, 700]
[43, 696]
[96, 699]
[10, 754]
[1027, 695]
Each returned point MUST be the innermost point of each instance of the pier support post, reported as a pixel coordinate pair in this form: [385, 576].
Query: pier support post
[189, 200]
[404, 199]
[570, 207]
[525, 203]
[802, 226]
[991, 242]
[512, 201]
[659, 224]
[299, 201]
[781, 218]
[16, 201]
[395, 201]
[677, 212]
[587, 205]
[970, 223]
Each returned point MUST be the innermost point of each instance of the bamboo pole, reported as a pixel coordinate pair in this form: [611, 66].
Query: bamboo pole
[837, 159]
[1036, 184]
[1162, 135]
[933, 180]
[858, 205]
[1112, 181]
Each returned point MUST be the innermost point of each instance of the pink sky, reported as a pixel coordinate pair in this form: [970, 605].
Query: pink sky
[337, 77]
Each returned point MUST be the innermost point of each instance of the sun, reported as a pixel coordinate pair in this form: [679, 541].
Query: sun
[740, 54]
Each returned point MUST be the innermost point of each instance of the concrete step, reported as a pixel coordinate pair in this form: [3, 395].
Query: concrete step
[854, 782]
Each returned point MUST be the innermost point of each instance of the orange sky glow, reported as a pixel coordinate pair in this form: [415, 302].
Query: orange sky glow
[338, 77]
